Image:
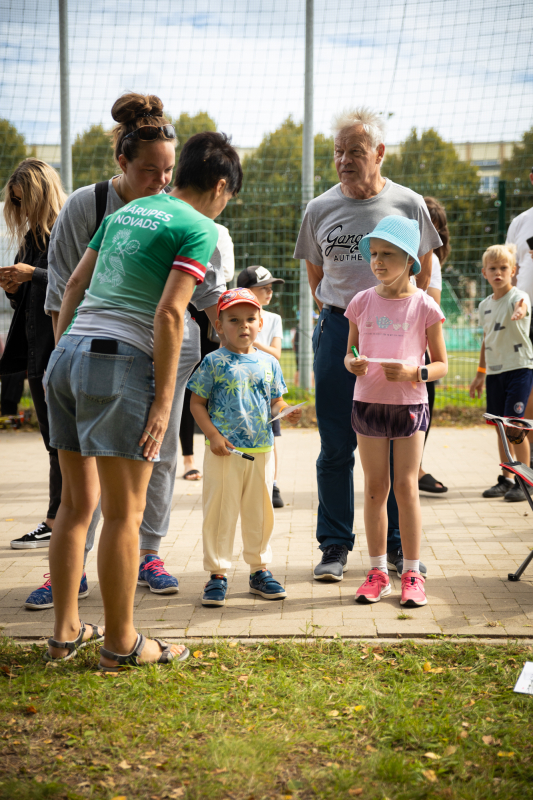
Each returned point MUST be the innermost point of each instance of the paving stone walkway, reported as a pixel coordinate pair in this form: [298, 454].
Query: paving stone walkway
[469, 546]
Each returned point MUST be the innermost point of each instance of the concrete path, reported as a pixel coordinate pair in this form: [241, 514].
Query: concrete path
[469, 546]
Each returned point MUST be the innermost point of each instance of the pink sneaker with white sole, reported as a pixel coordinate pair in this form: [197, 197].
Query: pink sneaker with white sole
[413, 594]
[376, 586]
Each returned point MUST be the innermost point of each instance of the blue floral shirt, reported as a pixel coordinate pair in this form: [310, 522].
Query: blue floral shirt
[239, 389]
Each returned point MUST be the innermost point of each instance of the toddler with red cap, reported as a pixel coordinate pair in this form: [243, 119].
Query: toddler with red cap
[236, 391]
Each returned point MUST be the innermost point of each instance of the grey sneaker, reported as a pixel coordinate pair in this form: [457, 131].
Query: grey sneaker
[333, 563]
[395, 562]
[499, 489]
[515, 494]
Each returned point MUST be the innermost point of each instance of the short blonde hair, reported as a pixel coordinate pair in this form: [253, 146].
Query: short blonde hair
[497, 251]
[42, 199]
[372, 123]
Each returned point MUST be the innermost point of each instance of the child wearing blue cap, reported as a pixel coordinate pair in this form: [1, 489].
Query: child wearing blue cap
[391, 325]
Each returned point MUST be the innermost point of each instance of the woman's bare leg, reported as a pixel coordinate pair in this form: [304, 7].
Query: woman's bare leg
[374, 454]
[407, 455]
[79, 498]
[124, 483]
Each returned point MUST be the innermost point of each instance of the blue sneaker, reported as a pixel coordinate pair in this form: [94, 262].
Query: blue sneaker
[215, 591]
[152, 573]
[41, 598]
[263, 583]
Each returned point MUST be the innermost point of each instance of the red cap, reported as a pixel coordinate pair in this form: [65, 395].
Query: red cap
[233, 296]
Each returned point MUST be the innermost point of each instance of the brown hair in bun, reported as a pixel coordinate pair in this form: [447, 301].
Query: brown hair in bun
[131, 111]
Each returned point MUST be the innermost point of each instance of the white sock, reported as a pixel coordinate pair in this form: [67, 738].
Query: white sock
[380, 562]
[411, 563]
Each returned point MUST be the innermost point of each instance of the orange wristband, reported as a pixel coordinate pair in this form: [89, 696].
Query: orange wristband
[482, 370]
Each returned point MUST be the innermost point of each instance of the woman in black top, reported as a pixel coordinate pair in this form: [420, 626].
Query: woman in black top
[33, 199]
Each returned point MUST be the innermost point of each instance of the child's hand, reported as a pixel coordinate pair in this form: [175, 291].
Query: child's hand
[520, 310]
[294, 416]
[476, 387]
[219, 444]
[358, 366]
[400, 372]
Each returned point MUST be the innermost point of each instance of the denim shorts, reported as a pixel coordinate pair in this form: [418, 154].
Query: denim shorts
[98, 404]
[384, 421]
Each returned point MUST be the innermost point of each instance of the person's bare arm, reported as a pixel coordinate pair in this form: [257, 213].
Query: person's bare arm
[435, 294]
[359, 366]
[476, 387]
[439, 360]
[168, 334]
[424, 276]
[314, 276]
[277, 404]
[273, 350]
[55, 320]
[78, 282]
[211, 312]
[217, 443]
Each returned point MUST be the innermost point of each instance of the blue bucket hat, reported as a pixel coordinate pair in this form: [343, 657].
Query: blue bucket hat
[402, 232]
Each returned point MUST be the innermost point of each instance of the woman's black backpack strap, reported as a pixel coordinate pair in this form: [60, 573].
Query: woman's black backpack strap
[100, 194]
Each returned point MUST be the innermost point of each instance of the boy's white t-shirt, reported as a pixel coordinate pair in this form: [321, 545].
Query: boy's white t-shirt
[272, 328]
[507, 342]
[436, 274]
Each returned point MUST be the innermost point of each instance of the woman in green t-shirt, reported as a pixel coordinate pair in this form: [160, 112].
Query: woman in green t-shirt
[110, 385]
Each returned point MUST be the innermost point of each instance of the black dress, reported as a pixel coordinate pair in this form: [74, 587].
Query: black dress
[29, 343]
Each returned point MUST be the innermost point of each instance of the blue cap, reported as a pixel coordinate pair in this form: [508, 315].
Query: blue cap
[402, 232]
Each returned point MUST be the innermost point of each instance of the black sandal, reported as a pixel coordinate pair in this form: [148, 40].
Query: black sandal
[427, 483]
[74, 646]
[130, 660]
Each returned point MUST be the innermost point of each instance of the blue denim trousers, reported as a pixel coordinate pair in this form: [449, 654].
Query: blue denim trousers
[334, 387]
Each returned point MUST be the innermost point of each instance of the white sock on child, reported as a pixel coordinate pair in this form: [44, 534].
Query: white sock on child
[380, 562]
[411, 563]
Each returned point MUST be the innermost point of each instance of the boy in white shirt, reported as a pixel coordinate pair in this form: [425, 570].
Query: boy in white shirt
[259, 280]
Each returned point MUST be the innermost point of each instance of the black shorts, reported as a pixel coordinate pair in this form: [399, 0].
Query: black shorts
[508, 392]
[384, 421]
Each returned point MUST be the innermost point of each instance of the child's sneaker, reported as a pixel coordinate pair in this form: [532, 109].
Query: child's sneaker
[41, 599]
[500, 488]
[215, 591]
[413, 594]
[152, 573]
[376, 586]
[263, 583]
[40, 537]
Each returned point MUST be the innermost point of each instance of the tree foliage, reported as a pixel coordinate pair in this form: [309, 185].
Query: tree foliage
[12, 150]
[515, 171]
[92, 157]
[187, 125]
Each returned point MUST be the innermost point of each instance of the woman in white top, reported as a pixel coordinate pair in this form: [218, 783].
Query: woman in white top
[427, 482]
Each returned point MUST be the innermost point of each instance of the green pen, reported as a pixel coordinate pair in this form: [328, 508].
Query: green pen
[354, 351]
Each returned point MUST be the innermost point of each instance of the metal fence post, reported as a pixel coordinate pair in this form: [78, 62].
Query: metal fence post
[64, 77]
[502, 209]
[305, 352]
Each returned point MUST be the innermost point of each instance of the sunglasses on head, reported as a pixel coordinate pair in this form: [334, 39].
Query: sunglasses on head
[15, 200]
[149, 133]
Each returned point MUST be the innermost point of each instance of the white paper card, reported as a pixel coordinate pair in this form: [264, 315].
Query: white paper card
[287, 411]
[524, 683]
[410, 362]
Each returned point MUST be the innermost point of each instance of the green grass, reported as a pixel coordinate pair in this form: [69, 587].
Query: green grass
[328, 720]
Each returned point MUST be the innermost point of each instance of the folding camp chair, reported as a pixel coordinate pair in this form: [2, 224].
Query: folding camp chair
[515, 429]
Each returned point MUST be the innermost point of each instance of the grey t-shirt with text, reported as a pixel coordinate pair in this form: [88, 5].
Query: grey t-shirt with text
[334, 225]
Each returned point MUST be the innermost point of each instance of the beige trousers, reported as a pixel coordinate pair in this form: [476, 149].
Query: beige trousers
[234, 485]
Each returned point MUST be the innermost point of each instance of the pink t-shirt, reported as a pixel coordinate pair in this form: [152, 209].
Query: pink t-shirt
[392, 329]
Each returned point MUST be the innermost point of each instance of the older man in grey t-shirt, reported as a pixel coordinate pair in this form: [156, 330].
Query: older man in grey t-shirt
[333, 225]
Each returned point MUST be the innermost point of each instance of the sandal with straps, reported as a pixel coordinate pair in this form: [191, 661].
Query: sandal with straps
[130, 660]
[74, 646]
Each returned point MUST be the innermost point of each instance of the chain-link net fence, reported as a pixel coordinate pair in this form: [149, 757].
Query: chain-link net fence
[453, 80]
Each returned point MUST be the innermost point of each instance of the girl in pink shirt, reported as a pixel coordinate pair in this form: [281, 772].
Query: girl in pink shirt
[391, 325]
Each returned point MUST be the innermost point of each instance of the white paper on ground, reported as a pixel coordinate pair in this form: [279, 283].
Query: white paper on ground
[524, 683]
[288, 410]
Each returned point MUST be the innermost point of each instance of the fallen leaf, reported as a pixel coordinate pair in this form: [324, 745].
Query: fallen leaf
[355, 792]
[430, 775]
[371, 749]
[450, 750]
[333, 713]
[223, 668]
[7, 671]
[233, 644]
[212, 654]
[197, 654]
[124, 765]
[119, 797]
[463, 734]
[219, 771]
[270, 658]
[465, 724]
[31, 710]
[433, 756]
[332, 764]
[359, 708]
[470, 703]
[437, 670]
[378, 658]
[243, 678]
[41, 779]
[489, 740]
[48, 741]
[162, 767]
[505, 755]
[11, 519]
[427, 667]
[179, 792]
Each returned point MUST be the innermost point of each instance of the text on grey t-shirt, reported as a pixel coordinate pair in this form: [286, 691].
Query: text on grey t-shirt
[334, 225]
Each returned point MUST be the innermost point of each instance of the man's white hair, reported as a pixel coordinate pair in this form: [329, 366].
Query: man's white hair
[372, 123]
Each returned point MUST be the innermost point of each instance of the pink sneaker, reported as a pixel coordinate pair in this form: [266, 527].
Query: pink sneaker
[376, 586]
[413, 594]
